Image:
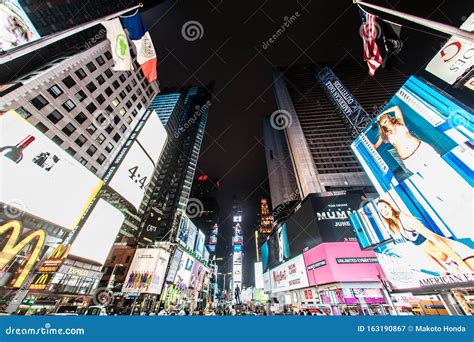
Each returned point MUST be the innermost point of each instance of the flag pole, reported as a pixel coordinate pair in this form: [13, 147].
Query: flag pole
[52, 38]
[447, 29]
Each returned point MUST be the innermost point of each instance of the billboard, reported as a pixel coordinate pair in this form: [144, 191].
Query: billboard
[334, 262]
[213, 238]
[418, 153]
[187, 232]
[200, 240]
[289, 276]
[412, 253]
[258, 275]
[98, 233]
[183, 274]
[147, 271]
[135, 165]
[17, 28]
[40, 178]
[174, 264]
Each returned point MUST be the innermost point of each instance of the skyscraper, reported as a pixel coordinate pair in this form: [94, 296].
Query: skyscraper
[318, 137]
[184, 113]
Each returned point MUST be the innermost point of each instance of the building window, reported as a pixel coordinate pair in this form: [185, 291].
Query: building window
[57, 140]
[108, 55]
[69, 129]
[91, 66]
[122, 78]
[116, 84]
[23, 112]
[83, 161]
[69, 82]
[80, 95]
[115, 102]
[100, 99]
[80, 73]
[80, 140]
[123, 128]
[55, 91]
[109, 129]
[128, 88]
[91, 107]
[116, 119]
[93, 169]
[109, 147]
[91, 129]
[139, 105]
[129, 120]
[71, 151]
[100, 139]
[134, 82]
[81, 118]
[116, 137]
[39, 102]
[139, 91]
[108, 73]
[91, 86]
[122, 94]
[109, 110]
[100, 79]
[128, 104]
[100, 60]
[122, 111]
[41, 127]
[134, 97]
[55, 116]
[69, 105]
[108, 91]
[91, 150]
[134, 113]
[100, 119]
[101, 159]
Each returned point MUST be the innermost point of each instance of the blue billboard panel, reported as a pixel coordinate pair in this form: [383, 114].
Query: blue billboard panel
[418, 152]
[421, 145]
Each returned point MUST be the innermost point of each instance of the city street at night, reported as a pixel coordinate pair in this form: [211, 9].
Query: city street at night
[272, 167]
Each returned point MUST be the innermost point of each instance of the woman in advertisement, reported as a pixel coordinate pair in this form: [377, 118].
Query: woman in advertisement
[444, 189]
[451, 256]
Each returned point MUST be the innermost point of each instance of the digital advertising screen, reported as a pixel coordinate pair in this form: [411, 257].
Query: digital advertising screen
[40, 178]
[413, 254]
[289, 275]
[147, 271]
[174, 265]
[97, 235]
[135, 169]
[420, 148]
[17, 28]
[200, 240]
[183, 274]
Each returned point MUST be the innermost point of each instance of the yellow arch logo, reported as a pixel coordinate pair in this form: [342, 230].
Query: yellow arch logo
[14, 245]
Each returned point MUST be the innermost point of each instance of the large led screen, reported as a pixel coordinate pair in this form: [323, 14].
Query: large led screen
[413, 253]
[289, 276]
[39, 178]
[420, 146]
[97, 235]
[134, 172]
[17, 28]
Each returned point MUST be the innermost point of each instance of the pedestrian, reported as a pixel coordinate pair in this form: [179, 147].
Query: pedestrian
[237, 295]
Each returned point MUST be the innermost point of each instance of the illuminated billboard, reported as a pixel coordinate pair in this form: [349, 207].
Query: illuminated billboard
[258, 275]
[147, 271]
[17, 28]
[40, 178]
[97, 235]
[133, 173]
[183, 274]
[420, 146]
[187, 232]
[200, 240]
[289, 276]
[418, 153]
[213, 238]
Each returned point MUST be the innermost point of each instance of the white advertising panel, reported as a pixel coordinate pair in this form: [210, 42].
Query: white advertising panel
[147, 271]
[39, 178]
[258, 275]
[200, 243]
[267, 285]
[133, 175]
[192, 235]
[289, 276]
[237, 258]
[183, 275]
[17, 28]
[97, 235]
[237, 274]
[135, 170]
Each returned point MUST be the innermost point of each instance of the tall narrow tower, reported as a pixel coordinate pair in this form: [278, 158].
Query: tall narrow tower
[237, 244]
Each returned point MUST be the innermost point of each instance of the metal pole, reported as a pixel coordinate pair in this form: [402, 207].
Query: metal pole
[52, 38]
[447, 29]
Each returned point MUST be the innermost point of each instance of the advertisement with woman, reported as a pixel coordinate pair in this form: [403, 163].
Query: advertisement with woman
[412, 253]
[420, 146]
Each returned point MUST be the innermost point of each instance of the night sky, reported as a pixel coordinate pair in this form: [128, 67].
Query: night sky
[231, 52]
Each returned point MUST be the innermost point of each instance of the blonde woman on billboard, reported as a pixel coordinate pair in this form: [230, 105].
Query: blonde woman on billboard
[444, 188]
[451, 256]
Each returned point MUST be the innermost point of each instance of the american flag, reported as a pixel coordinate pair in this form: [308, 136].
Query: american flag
[369, 34]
